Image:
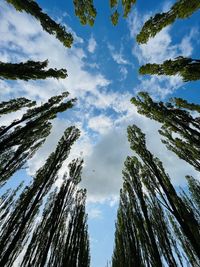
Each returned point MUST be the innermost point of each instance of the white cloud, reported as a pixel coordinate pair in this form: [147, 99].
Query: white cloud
[159, 86]
[102, 173]
[100, 124]
[118, 57]
[92, 44]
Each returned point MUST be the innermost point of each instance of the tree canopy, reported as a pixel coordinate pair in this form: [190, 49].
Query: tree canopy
[151, 212]
[48, 24]
[180, 128]
[180, 10]
[187, 68]
[22, 138]
[18, 225]
[30, 70]
[15, 104]
[87, 12]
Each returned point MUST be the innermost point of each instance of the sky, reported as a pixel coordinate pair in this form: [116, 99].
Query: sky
[102, 68]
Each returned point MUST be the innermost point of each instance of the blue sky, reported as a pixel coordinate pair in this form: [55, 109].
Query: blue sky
[103, 74]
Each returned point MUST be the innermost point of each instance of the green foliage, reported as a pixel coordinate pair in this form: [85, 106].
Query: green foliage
[19, 223]
[14, 105]
[187, 68]
[115, 18]
[49, 240]
[185, 218]
[194, 187]
[85, 10]
[87, 13]
[180, 10]
[113, 3]
[28, 134]
[181, 130]
[7, 201]
[149, 206]
[30, 70]
[49, 25]
[126, 5]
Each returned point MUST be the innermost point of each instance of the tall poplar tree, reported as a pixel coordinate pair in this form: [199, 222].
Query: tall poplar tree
[143, 235]
[7, 200]
[128, 250]
[180, 128]
[48, 242]
[48, 24]
[180, 10]
[187, 68]
[20, 140]
[134, 186]
[148, 211]
[76, 242]
[185, 218]
[20, 220]
[30, 70]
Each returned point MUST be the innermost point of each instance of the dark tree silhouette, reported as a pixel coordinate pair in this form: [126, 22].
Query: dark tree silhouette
[30, 70]
[20, 140]
[180, 129]
[7, 200]
[15, 104]
[49, 25]
[150, 214]
[185, 218]
[47, 245]
[187, 68]
[20, 220]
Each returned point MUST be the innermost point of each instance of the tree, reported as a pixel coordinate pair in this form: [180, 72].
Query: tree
[148, 211]
[15, 104]
[20, 220]
[30, 70]
[134, 186]
[185, 218]
[85, 10]
[180, 10]
[180, 129]
[87, 13]
[126, 6]
[21, 139]
[47, 245]
[190, 259]
[187, 68]
[143, 235]
[194, 188]
[76, 243]
[6, 202]
[127, 248]
[49, 25]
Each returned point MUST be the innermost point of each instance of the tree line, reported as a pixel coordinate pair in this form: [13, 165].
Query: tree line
[156, 225]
